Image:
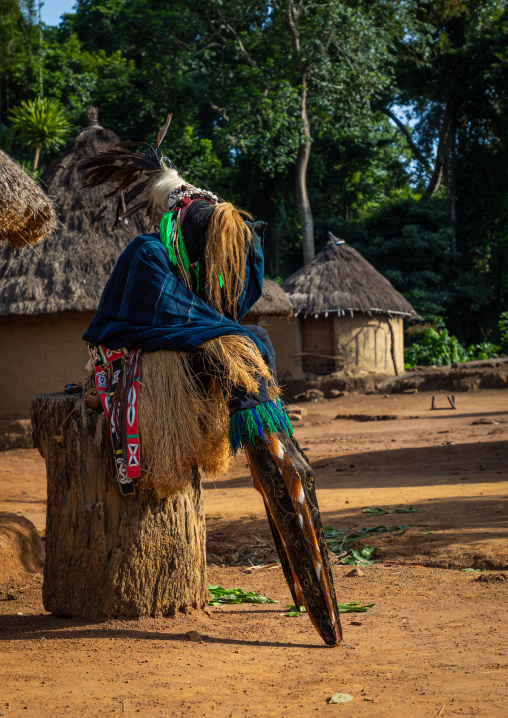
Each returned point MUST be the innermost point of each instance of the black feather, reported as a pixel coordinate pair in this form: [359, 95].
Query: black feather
[137, 189]
[124, 169]
[126, 182]
[133, 210]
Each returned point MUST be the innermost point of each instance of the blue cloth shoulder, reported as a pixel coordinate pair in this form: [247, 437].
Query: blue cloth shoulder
[145, 305]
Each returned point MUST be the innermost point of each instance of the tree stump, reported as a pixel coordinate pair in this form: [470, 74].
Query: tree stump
[109, 555]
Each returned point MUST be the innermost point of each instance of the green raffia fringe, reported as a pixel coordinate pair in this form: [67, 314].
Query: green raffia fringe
[247, 425]
[172, 238]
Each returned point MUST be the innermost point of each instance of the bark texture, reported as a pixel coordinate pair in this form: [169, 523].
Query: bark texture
[109, 555]
[302, 197]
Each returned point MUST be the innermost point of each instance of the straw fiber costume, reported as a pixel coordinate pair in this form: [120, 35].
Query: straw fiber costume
[181, 381]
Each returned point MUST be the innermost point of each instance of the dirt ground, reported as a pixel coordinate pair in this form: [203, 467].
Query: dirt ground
[434, 645]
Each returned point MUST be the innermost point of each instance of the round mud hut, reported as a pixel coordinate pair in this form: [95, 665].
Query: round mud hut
[49, 293]
[349, 317]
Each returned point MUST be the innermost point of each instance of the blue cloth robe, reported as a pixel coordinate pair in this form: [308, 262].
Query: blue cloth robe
[145, 305]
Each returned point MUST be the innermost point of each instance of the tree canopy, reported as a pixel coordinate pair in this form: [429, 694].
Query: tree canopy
[383, 121]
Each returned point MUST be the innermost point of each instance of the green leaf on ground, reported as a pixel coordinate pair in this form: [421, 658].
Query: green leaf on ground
[220, 596]
[424, 533]
[339, 541]
[294, 612]
[355, 607]
[377, 511]
[359, 558]
[473, 570]
[351, 607]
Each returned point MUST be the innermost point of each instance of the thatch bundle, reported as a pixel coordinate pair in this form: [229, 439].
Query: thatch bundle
[26, 213]
[273, 302]
[71, 267]
[340, 280]
[184, 417]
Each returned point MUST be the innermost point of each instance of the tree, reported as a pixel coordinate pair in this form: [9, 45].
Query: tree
[41, 124]
[297, 66]
[17, 35]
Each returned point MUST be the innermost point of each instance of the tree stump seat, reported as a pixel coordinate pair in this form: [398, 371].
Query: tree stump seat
[109, 555]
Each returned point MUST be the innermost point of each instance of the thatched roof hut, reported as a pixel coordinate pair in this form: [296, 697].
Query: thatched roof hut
[69, 270]
[274, 302]
[49, 293]
[350, 316]
[339, 280]
[26, 213]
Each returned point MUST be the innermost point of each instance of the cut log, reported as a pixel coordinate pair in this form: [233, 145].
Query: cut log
[109, 555]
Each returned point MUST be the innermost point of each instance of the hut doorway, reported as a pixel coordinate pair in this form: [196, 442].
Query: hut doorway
[318, 345]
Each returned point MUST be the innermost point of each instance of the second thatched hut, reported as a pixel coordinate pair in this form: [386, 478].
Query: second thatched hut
[274, 312]
[349, 317]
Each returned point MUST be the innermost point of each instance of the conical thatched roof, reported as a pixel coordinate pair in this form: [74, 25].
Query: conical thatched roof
[26, 214]
[340, 280]
[273, 302]
[68, 271]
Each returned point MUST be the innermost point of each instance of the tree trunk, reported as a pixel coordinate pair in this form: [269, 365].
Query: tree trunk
[443, 148]
[302, 198]
[109, 555]
[35, 161]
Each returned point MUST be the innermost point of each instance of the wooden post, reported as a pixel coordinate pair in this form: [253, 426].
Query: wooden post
[109, 555]
[392, 345]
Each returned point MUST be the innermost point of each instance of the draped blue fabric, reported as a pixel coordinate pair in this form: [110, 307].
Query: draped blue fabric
[145, 305]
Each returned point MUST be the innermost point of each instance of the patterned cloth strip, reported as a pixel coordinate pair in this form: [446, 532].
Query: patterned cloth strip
[117, 383]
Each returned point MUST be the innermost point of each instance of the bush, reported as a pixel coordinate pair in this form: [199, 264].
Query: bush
[503, 331]
[436, 347]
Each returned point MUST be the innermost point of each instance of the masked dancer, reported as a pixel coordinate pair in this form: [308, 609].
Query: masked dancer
[182, 382]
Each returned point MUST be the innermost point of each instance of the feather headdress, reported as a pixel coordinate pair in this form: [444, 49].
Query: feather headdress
[226, 237]
[131, 172]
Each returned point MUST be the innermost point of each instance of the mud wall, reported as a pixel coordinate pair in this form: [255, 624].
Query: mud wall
[285, 335]
[286, 339]
[365, 344]
[39, 355]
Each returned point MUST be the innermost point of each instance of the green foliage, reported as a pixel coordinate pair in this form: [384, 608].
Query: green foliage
[234, 73]
[41, 124]
[219, 596]
[412, 244]
[360, 557]
[294, 612]
[503, 332]
[435, 347]
[438, 348]
[344, 540]
[350, 607]
[381, 512]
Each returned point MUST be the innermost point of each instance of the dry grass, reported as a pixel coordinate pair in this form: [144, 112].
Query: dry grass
[227, 237]
[184, 417]
[180, 423]
[26, 213]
